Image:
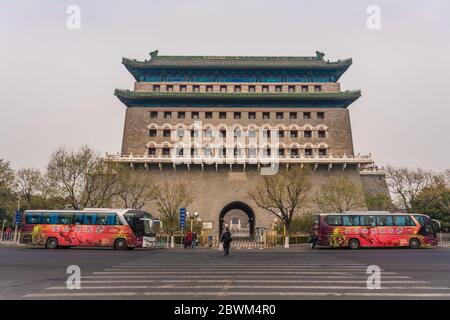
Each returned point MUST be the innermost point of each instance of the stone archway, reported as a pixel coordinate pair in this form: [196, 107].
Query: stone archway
[241, 206]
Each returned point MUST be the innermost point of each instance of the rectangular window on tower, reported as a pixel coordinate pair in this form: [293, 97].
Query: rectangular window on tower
[167, 115]
[153, 114]
[222, 115]
[209, 88]
[156, 88]
[321, 115]
[208, 115]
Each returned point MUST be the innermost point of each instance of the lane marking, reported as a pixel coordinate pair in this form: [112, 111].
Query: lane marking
[238, 270]
[238, 276]
[250, 281]
[231, 286]
[238, 293]
[242, 265]
[226, 272]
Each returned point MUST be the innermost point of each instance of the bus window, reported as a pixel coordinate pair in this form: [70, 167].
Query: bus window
[50, 218]
[90, 218]
[427, 225]
[334, 220]
[350, 220]
[106, 218]
[102, 219]
[385, 221]
[66, 218]
[402, 221]
[33, 218]
[78, 218]
[368, 221]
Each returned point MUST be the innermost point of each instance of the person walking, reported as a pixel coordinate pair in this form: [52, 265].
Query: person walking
[194, 240]
[226, 241]
[314, 235]
[189, 239]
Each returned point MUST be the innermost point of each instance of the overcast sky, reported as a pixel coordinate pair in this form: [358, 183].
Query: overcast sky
[57, 85]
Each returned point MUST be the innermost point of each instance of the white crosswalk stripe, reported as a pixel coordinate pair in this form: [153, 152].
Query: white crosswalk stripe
[254, 280]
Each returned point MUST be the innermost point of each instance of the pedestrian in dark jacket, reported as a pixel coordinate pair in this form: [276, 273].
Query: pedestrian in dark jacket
[226, 241]
[314, 236]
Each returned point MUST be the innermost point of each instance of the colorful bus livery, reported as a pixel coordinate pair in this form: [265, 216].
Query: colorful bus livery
[375, 229]
[120, 229]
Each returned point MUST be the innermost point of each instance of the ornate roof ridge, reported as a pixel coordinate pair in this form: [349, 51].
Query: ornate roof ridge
[223, 61]
[343, 95]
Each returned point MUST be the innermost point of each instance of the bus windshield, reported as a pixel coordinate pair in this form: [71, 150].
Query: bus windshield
[140, 222]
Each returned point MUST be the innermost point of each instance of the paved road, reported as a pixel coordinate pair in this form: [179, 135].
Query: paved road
[299, 273]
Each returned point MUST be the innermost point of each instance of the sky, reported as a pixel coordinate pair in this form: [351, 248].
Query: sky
[57, 84]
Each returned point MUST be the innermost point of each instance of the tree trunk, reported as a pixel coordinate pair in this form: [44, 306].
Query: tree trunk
[286, 242]
[286, 234]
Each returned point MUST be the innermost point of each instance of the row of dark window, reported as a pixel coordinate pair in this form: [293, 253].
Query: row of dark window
[166, 133]
[252, 152]
[366, 220]
[237, 88]
[238, 115]
[72, 218]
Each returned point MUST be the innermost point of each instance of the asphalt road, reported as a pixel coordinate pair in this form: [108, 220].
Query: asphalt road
[296, 273]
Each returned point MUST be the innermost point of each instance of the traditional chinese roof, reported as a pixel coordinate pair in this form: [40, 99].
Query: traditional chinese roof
[342, 99]
[247, 62]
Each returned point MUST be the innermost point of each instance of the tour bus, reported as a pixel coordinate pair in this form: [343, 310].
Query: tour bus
[376, 229]
[117, 228]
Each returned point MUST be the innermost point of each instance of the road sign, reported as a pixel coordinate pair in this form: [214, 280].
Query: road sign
[182, 217]
[18, 217]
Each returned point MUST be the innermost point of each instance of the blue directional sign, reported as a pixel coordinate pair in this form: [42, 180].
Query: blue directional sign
[182, 217]
[18, 217]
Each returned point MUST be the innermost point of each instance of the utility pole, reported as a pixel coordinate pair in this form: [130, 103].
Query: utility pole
[15, 223]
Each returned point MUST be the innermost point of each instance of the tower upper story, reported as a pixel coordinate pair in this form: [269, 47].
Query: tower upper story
[298, 97]
[244, 80]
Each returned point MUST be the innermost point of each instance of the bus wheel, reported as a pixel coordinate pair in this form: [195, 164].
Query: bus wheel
[52, 243]
[414, 243]
[353, 244]
[120, 244]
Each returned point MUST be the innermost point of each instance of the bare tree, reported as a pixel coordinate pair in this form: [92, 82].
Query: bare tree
[134, 189]
[6, 174]
[82, 177]
[100, 186]
[169, 198]
[28, 182]
[405, 184]
[283, 194]
[339, 194]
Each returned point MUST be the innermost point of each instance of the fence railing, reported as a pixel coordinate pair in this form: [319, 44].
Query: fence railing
[444, 239]
[9, 237]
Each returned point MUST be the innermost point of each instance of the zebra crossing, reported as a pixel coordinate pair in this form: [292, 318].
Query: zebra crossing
[239, 280]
